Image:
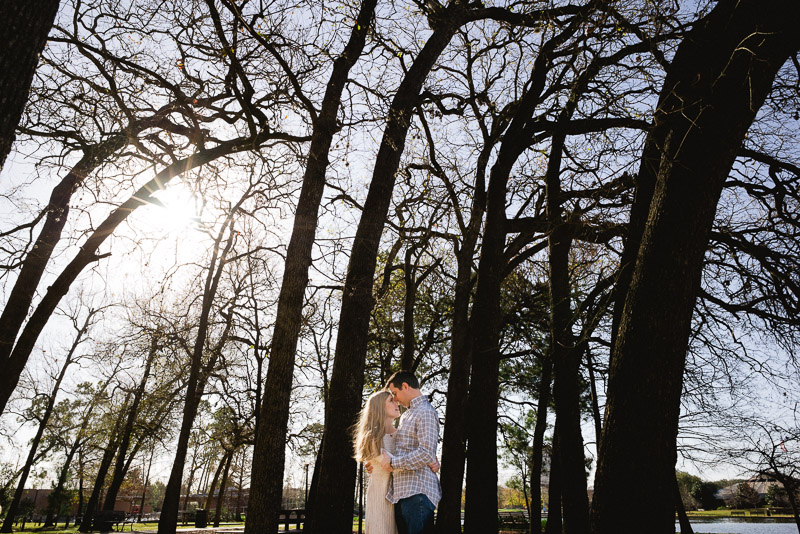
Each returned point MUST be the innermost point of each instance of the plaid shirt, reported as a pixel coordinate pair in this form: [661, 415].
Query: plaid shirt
[416, 442]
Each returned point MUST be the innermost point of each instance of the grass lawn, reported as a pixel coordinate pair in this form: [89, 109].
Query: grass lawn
[153, 527]
[141, 527]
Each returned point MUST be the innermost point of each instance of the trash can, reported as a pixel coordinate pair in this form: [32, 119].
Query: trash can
[200, 518]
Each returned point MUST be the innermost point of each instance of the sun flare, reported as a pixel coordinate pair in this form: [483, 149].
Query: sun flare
[175, 209]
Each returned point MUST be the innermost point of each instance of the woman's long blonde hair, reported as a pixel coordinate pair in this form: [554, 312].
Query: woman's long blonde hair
[371, 427]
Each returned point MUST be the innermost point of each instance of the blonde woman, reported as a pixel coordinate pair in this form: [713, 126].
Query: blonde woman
[373, 438]
[375, 431]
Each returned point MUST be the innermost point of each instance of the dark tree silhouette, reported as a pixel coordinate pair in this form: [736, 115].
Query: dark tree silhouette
[267, 474]
[716, 83]
[25, 28]
[332, 502]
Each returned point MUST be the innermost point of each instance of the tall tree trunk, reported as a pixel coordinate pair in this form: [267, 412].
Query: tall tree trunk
[554, 518]
[565, 352]
[566, 356]
[409, 303]
[409, 360]
[686, 527]
[196, 384]
[268, 456]
[717, 81]
[81, 509]
[25, 28]
[222, 485]
[192, 471]
[481, 494]
[598, 421]
[480, 511]
[257, 348]
[146, 484]
[332, 505]
[100, 480]
[213, 487]
[125, 440]
[454, 439]
[312, 492]
[537, 447]
[239, 487]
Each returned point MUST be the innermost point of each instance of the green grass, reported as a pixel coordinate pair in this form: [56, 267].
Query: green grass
[141, 527]
[35, 527]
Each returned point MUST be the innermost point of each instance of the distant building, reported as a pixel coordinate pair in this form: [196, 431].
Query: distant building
[40, 500]
[761, 483]
[130, 504]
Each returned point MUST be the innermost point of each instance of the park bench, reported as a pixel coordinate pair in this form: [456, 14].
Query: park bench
[130, 519]
[513, 520]
[292, 517]
[105, 520]
[756, 512]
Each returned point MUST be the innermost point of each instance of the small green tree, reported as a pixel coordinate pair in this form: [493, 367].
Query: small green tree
[61, 500]
[746, 496]
[516, 451]
[776, 495]
[686, 482]
[26, 508]
[516, 493]
[704, 494]
[155, 495]
[7, 478]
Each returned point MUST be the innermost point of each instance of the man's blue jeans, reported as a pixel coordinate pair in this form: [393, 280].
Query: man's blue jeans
[414, 515]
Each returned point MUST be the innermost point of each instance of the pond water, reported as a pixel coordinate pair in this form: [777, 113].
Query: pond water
[740, 526]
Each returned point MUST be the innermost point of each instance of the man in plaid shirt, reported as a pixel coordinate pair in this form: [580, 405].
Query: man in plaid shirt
[415, 489]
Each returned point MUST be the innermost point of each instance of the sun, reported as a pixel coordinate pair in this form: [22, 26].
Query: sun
[175, 209]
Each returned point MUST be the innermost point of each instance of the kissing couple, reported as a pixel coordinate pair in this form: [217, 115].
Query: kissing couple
[403, 487]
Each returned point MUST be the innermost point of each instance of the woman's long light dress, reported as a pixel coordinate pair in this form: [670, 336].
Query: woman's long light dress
[380, 512]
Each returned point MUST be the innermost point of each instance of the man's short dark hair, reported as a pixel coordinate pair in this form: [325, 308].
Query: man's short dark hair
[400, 377]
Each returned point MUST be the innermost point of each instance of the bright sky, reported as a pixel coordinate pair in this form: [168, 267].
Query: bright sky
[157, 238]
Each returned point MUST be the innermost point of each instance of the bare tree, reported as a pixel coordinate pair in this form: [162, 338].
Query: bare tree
[701, 121]
[348, 369]
[182, 120]
[81, 328]
[268, 465]
[200, 370]
[770, 451]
